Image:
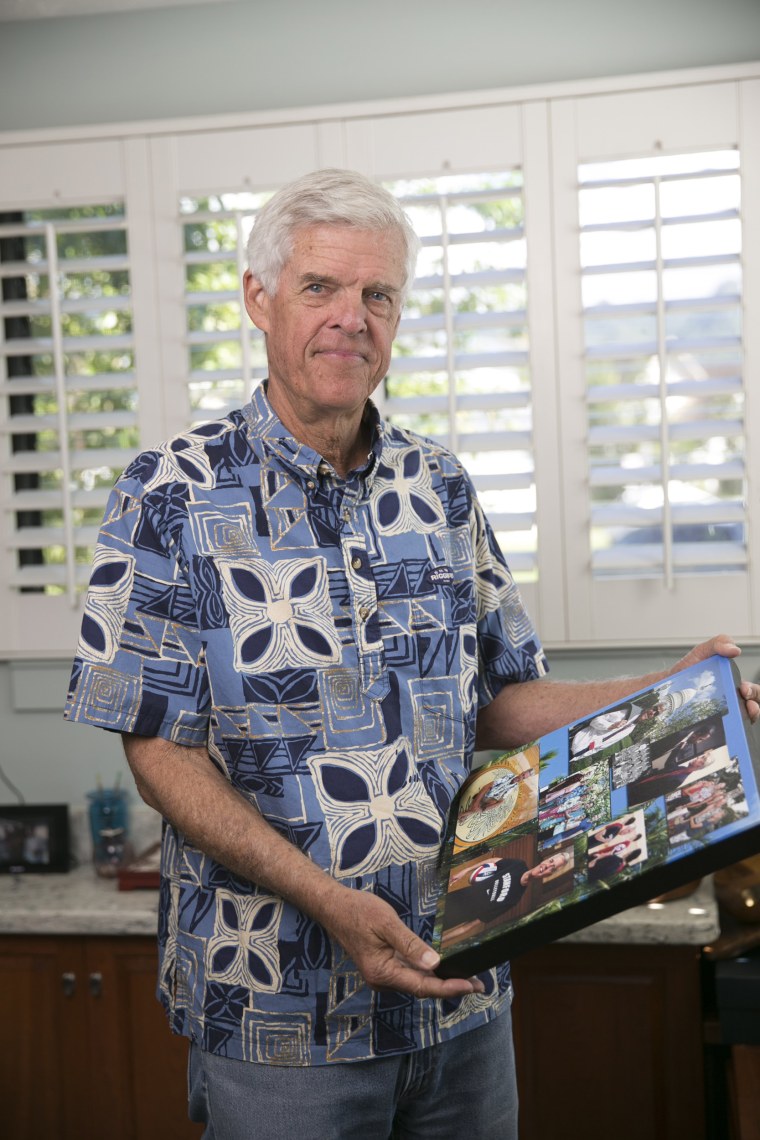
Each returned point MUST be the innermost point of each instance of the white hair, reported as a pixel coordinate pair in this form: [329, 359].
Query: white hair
[325, 198]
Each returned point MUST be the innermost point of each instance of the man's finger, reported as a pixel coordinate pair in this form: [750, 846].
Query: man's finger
[411, 981]
[750, 693]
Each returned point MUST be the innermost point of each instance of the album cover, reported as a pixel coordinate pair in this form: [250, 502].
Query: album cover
[639, 798]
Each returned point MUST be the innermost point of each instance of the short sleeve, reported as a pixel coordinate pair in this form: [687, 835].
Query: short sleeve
[509, 649]
[139, 665]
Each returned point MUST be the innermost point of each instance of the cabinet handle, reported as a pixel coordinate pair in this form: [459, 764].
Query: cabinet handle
[96, 985]
[68, 983]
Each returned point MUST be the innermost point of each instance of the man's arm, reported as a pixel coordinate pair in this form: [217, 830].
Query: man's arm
[185, 787]
[524, 711]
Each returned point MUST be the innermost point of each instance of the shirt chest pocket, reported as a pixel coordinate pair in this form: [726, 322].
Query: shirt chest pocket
[365, 616]
[443, 630]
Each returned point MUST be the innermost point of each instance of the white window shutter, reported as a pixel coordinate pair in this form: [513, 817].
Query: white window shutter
[651, 270]
[68, 384]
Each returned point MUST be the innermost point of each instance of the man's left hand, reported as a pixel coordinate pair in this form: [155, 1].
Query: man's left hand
[724, 646]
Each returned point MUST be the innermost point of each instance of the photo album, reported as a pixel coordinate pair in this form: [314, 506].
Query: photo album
[640, 798]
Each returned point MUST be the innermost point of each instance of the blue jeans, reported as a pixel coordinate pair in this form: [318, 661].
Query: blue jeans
[463, 1088]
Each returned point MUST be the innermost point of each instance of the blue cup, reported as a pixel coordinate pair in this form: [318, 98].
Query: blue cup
[109, 823]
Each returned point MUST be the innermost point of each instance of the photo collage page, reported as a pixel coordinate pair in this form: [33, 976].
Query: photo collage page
[633, 787]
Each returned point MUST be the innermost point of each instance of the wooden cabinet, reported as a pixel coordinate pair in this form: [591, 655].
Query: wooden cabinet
[86, 1049]
[608, 1037]
[609, 1040]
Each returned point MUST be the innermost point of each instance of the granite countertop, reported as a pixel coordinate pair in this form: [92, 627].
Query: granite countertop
[82, 903]
[690, 921]
[79, 902]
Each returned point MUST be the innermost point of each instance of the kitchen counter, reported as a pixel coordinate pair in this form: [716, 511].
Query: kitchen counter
[690, 921]
[82, 903]
[79, 902]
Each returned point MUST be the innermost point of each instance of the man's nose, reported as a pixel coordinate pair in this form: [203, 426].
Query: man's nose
[349, 313]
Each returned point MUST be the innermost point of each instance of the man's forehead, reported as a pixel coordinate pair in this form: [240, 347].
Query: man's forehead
[349, 244]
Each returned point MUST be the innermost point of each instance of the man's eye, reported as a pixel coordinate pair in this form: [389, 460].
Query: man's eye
[376, 295]
[315, 287]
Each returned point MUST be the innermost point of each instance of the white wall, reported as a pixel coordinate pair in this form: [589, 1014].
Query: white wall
[46, 759]
[249, 55]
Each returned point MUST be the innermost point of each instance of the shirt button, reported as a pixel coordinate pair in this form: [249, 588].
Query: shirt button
[364, 613]
[346, 516]
[356, 563]
[311, 484]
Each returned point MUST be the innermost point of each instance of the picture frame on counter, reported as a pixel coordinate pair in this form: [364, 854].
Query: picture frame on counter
[34, 839]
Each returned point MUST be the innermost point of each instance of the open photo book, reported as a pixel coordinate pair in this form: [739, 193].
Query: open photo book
[638, 799]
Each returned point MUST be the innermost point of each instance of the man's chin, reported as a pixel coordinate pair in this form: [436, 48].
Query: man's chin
[346, 386]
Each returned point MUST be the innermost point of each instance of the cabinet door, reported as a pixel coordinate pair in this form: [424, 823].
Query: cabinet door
[140, 1067]
[42, 1027]
[609, 1037]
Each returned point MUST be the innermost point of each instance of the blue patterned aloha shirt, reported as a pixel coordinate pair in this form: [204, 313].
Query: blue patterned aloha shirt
[330, 641]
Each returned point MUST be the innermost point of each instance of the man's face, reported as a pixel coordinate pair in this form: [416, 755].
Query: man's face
[330, 325]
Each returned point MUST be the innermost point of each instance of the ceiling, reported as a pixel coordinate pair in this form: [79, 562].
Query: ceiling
[42, 9]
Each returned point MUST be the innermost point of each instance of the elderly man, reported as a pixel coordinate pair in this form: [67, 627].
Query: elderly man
[300, 620]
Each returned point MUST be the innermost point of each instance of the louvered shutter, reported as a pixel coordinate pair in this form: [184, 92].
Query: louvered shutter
[661, 280]
[461, 369]
[69, 386]
[651, 270]
[79, 369]
[225, 352]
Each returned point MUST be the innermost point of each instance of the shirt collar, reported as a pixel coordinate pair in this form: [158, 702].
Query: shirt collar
[265, 428]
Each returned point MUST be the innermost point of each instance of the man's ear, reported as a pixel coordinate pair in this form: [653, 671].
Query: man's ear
[256, 301]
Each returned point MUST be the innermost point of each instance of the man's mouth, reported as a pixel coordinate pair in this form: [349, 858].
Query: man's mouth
[342, 353]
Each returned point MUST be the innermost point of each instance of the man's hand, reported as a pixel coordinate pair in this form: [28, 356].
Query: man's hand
[526, 710]
[724, 646]
[388, 954]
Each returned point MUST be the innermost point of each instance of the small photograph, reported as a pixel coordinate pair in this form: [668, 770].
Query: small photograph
[681, 747]
[630, 764]
[608, 728]
[603, 868]
[498, 798]
[24, 841]
[509, 882]
[616, 846]
[707, 803]
[672, 706]
[34, 838]
[574, 805]
[681, 759]
[553, 763]
[629, 828]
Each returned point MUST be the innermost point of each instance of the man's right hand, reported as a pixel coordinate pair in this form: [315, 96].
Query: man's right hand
[388, 955]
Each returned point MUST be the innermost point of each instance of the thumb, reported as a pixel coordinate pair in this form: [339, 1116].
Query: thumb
[723, 645]
[415, 952]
